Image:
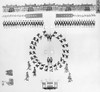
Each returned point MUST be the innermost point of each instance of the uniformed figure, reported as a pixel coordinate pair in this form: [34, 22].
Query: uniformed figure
[34, 71]
[40, 37]
[49, 37]
[46, 68]
[59, 64]
[35, 39]
[42, 66]
[66, 68]
[29, 66]
[54, 34]
[69, 78]
[51, 68]
[59, 36]
[27, 76]
[49, 60]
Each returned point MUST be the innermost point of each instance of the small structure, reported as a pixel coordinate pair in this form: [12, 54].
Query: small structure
[49, 85]
[10, 82]
[9, 72]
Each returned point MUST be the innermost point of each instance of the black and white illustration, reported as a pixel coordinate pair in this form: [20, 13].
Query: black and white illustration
[98, 6]
[49, 46]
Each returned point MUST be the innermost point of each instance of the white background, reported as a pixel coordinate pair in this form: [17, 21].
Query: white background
[84, 58]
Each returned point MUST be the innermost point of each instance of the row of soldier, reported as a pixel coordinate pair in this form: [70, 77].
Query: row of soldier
[23, 23]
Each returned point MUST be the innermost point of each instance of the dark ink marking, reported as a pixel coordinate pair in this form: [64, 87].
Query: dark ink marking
[9, 72]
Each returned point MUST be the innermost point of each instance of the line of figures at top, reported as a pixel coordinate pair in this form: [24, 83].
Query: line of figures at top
[49, 7]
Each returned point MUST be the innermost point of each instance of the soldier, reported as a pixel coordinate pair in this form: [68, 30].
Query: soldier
[27, 76]
[39, 36]
[66, 68]
[55, 67]
[59, 64]
[42, 66]
[49, 60]
[36, 39]
[49, 37]
[54, 34]
[51, 68]
[59, 36]
[69, 78]
[29, 66]
[34, 71]
[46, 68]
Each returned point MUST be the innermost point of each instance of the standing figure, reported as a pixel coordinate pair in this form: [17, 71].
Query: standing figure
[55, 67]
[54, 34]
[49, 60]
[49, 37]
[66, 68]
[34, 71]
[27, 76]
[39, 36]
[29, 66]
[69, 78]
[59, 36]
